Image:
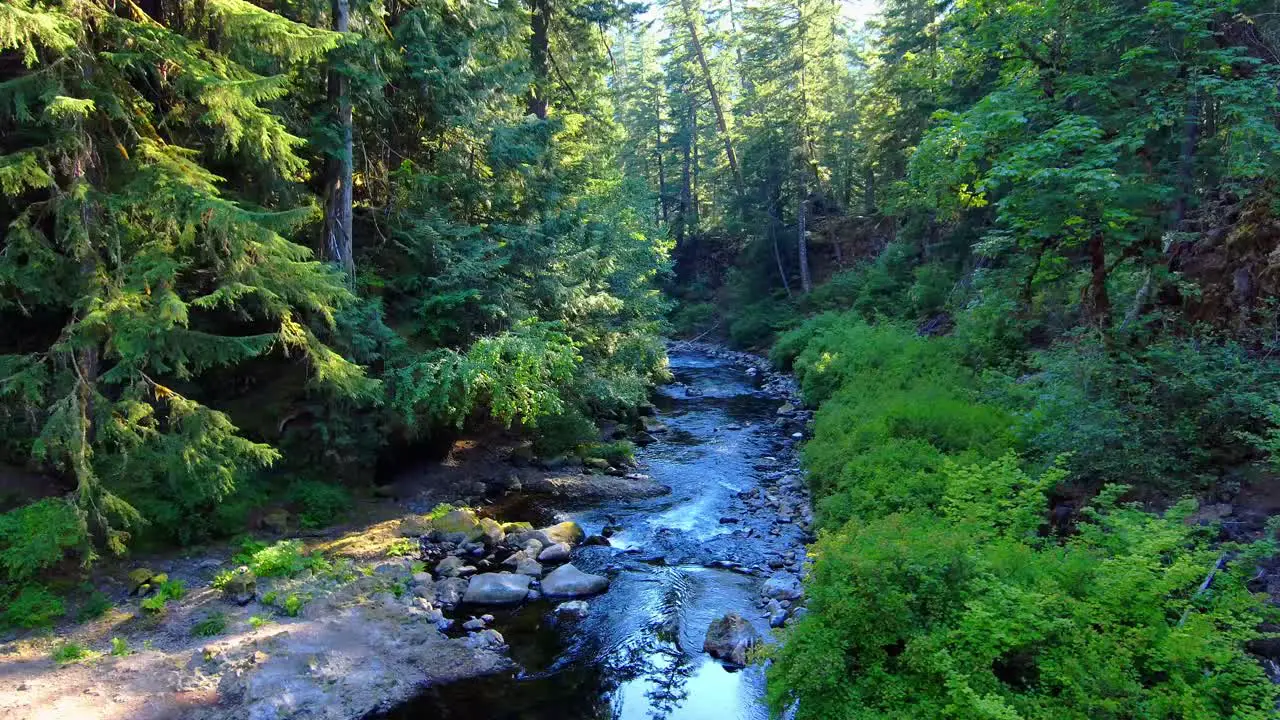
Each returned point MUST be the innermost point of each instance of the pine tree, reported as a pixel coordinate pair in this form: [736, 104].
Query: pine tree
[145, 267]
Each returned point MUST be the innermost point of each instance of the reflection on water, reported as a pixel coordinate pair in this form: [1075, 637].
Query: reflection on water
[638, 655]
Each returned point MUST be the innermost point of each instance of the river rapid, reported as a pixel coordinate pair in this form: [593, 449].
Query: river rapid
[737, 513]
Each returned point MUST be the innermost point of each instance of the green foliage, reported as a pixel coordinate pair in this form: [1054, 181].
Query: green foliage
[38, 536]
[320, 504]
[402, 547]
[1167, 417]
[70, 652]
[166, 591]
[282, 559]
[257, 622]
[934, 592]
[215, 623]
[94, 607]
[564, 434]
[120, 647]
[32, 606]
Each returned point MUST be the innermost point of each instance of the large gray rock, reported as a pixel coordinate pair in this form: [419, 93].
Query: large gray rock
[449, 591]
[497, 589]
[782, 586]
[730, 639]
[532, 568]
[493, 532]
[555, 554]
[569, 581]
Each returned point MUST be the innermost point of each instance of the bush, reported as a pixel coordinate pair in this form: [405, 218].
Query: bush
[283, 559]
[1167, 418]
[319, 503]
[38, 536]
[120, 647]
[215, 623]
[563, 433]
[72, 652]
[689, 319]
[936, 590]
[33, 607]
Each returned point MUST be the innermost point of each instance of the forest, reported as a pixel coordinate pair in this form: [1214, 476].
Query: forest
[1023, 259]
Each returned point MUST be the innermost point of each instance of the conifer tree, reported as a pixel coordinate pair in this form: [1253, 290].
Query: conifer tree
[133, 263]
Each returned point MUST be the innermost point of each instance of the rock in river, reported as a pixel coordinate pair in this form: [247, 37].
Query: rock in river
[554, 554]
[569, 581]
[782, 586]
[568, 532]
[730, 638]
[497, 589]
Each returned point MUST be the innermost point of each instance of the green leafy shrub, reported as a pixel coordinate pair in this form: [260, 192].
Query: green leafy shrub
[692, 318]
[282, 559]
[257, 621]
[1166, 418]
[293, 605]
[37, 536]
[95, 606]
[72, 652]
[402, 547]
[33, 606]
[215, 623]
[563, 433]
[120, 647]
[319, 503]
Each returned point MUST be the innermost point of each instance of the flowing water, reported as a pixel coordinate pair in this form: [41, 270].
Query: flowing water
[674, 567]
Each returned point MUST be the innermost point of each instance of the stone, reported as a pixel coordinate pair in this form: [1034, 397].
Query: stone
[557, 553]
[511, 528]
[611, 530]
[596, 540]
[423, 585]
[651, 425]
[596, 463]
[569, 581]
[450, 566]
[449, 591]
[730, 639]
[777, 614]
[473, 624]
[786, 409]
[573, 608]
[497, 589]
[486, 640]
[782, 586]
[493, 532]
[532, 568]
[414, 526]
[457, 525]
[727, 520]
[568, 532]
[140, 578]
[241, 587]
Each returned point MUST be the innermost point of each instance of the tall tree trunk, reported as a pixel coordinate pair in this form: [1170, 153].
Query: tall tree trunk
[1186, 187]
[802, 242]
[869, 191]
[1099, 302]
[771, 202]
[721, 124]
[686, 184]
[337, 215]
[539, 56]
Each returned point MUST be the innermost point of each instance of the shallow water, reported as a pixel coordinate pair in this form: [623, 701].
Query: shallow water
[638, 655]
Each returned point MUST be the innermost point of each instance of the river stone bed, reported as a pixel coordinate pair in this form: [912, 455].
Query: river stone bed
[604, 604]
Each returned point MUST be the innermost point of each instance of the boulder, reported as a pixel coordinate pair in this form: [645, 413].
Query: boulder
[597, 540]
[532, 568]
[573, 608]
[497, 589]
[457, 526]
[423, 585]
[486, 640]
[493, 532]
[569, 581]
[512, 528]
[140, 578]
[241, 587]
[786, 409]
[451, 566]
[651, 425]
[568, 532]
[557, 553]
[782, 586]
[449, 591]
[414, 526]
[730, 639]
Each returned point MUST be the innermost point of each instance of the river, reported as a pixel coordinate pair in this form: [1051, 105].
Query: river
[679, 562]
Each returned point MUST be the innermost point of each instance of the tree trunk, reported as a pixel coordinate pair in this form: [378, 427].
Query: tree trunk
[686, 184]
[1099, 302]
[337, 215]
[802, 243]
[662, 172]
[721, 124]
[869, 191]
[539, 56]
